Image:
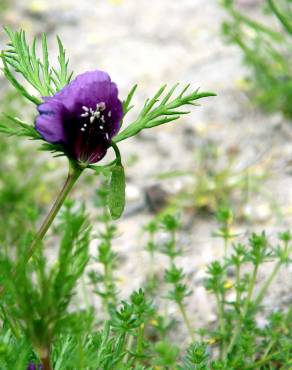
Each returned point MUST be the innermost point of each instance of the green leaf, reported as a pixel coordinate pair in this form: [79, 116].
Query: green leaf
[159, 110]
[19, 58]
[126, 103]
[116, 196]
[281, 16]
[18, 86]
[17, 127]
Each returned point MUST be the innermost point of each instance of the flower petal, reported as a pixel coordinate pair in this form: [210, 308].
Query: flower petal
[86, 89]
[50, 122]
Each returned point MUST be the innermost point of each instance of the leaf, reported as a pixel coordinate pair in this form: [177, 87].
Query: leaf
[159, 110]
[116, 196]
[281, 16]
[20, 88]
[17, 127]
[126, 103]
[20, 58]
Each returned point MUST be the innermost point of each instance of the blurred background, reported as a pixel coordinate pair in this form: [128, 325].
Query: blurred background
[234, 149]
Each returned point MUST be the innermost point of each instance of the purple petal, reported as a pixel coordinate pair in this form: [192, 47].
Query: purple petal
[86, 89]
[50, 122]
[31, 366]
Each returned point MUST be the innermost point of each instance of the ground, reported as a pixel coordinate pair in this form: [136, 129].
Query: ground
[150, 43]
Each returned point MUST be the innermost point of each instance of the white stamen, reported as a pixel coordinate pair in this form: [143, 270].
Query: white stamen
[109, 113]
[82, 129]
[94, 114]
[85, 125]
[101, 106]
[106, 135]
[101, 127]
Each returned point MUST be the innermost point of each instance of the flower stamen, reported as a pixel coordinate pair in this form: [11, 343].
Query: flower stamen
[94, 114]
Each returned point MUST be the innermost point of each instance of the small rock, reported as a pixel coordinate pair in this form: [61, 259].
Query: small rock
[156, 198]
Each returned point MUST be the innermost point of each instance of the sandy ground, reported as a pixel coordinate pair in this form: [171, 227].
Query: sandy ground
[152, 42]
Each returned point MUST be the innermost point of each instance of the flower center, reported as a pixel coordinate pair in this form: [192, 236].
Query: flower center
[96, 116]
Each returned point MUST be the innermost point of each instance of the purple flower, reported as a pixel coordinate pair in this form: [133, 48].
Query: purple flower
[82, 117]
[32, 366]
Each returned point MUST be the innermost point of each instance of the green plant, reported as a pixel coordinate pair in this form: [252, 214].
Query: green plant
[41, 316]
[266, 46]
[212, 182]
[78, 119]
[21, 201]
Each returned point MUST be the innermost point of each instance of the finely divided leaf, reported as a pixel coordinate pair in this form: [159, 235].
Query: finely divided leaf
[159, 110]
[20, 58]
[17, 127]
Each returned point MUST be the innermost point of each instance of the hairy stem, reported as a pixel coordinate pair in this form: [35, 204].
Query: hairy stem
[73, 174]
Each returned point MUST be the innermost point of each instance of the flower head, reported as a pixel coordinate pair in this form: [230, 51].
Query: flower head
[82, 117]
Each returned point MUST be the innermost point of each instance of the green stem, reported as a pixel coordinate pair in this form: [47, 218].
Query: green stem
[140, 339]
[151, 271]
[73, 174]
[220, 307]
[105, 298]
[173, 246]
[109, 299]
[186, 320]
[225, 246]
[221, 303]
[128, 348]
[270, 346]
[266, 285]
[251, 287]
[11, 323]
[244, 312]
[270, 279]
[117, 152]
[262, 361]
[238, 293]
